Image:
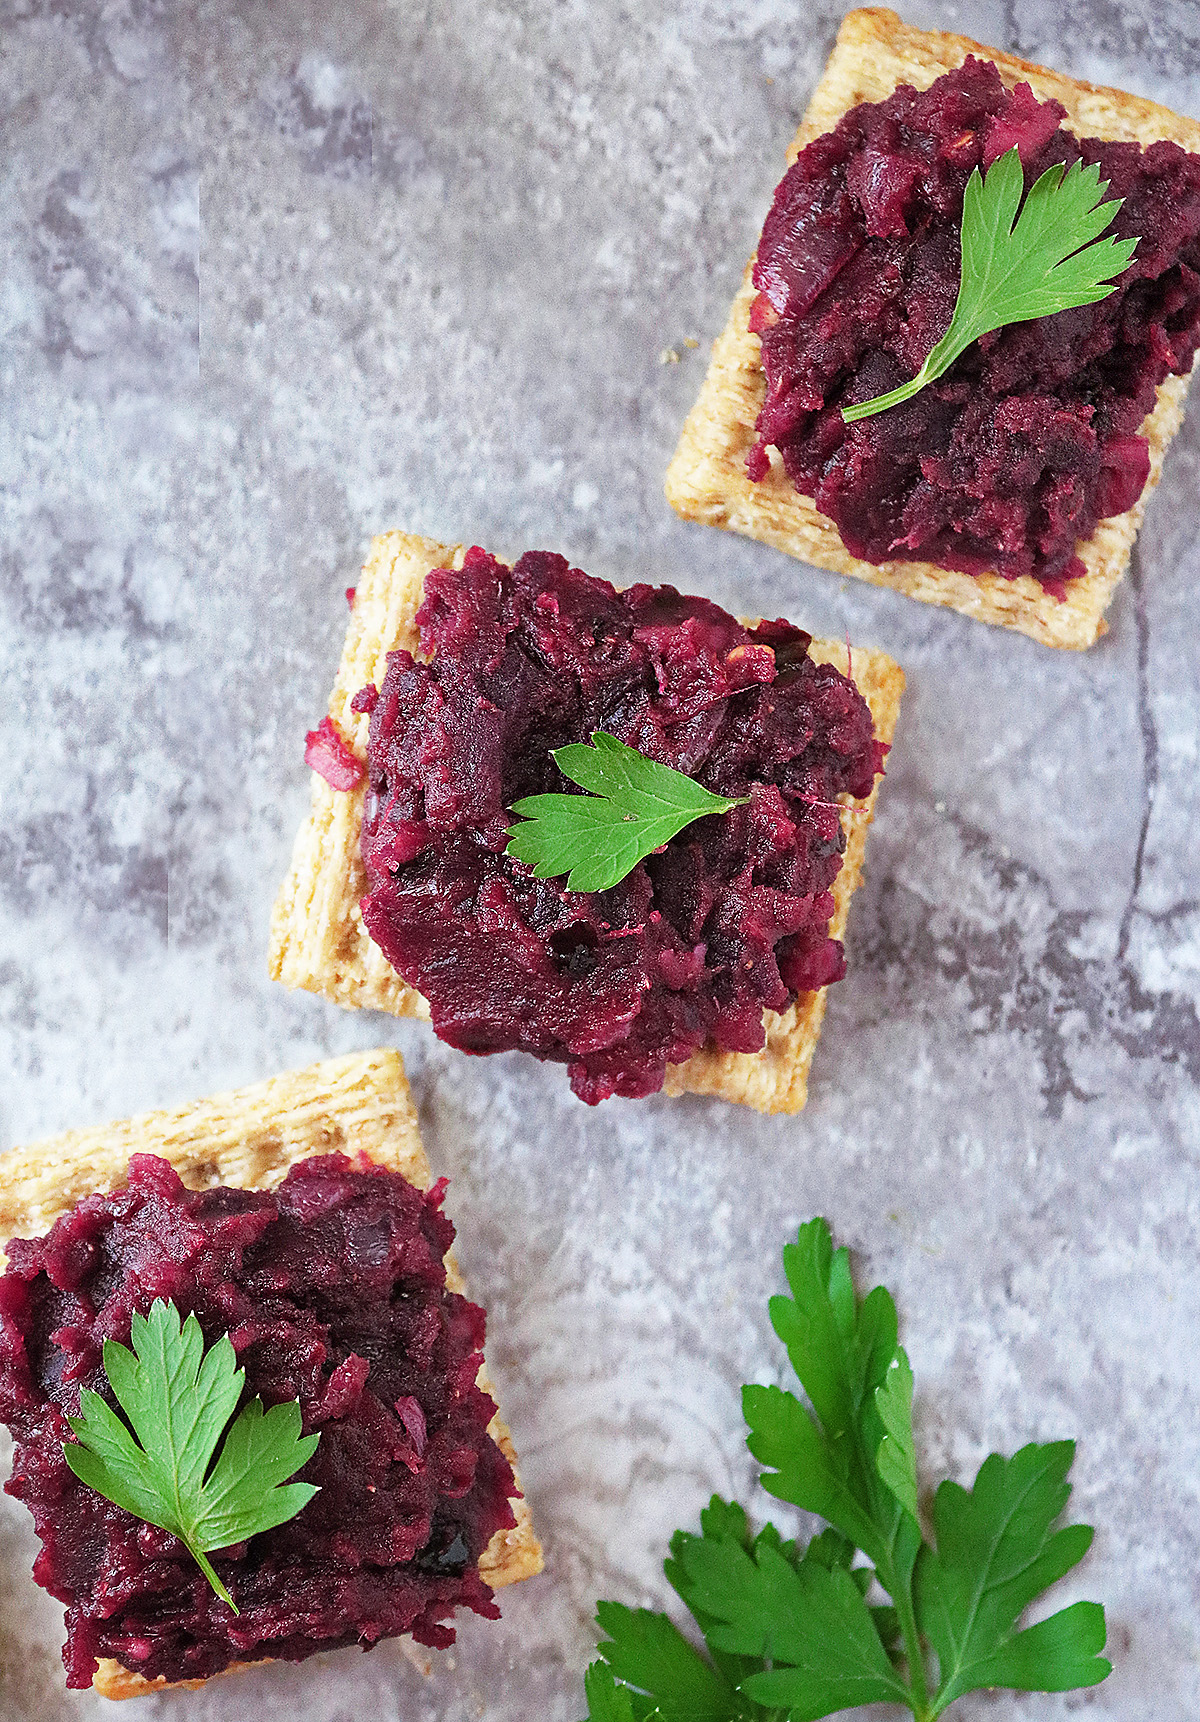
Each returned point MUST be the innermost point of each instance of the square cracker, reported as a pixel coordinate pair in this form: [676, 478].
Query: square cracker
[319, 942]
[707, 481]
[250, 1138]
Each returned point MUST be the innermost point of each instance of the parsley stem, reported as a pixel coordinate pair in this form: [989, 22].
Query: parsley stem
[881, 403]
[939, 359]
[902, 1597]
[205, 1565]
[900, 1590]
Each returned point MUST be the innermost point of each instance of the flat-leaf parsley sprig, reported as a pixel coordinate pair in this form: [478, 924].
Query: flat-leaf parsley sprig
[179, 1399]
[634, 806]
[1043, 264]
[799, 1631]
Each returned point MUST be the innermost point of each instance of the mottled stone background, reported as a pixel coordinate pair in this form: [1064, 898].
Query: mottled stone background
[276, 277]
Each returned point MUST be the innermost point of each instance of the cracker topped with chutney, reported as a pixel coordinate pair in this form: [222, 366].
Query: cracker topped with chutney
[297, 1222]
[1012, 487]
[706, 967]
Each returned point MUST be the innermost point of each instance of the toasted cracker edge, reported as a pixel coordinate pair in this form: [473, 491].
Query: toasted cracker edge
[319, 942]
[776, 1079]
[707, 481]
[249, 1138]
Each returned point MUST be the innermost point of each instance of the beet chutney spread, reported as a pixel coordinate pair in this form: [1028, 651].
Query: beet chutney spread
[730, 917]
[1033, 435]
[332, 1290]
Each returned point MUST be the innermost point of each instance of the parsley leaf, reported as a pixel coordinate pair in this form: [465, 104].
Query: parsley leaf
[646, 1649]
[635, 806]
[995, 1553]
[896, 1459]
[608, 1702]
[1012, 274]
[809, 1620]
[794, 1631]
[179, 1399]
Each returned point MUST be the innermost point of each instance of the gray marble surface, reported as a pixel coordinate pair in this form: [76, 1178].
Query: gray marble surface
[277, 277]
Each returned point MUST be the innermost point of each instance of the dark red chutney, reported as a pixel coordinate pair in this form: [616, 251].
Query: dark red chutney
[731, 916]
[1032, 436]
[332, 1290]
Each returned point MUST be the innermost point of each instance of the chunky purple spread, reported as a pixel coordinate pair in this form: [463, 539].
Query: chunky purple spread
[332, 1290]
[1033, 435]
[731, 917]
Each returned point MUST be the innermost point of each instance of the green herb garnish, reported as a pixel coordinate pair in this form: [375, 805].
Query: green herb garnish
[179, 1398]
[635, 806]
[1012, 274]
[799, 1632]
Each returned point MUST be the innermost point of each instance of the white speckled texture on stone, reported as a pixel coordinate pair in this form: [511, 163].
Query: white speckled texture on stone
[276, 277]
